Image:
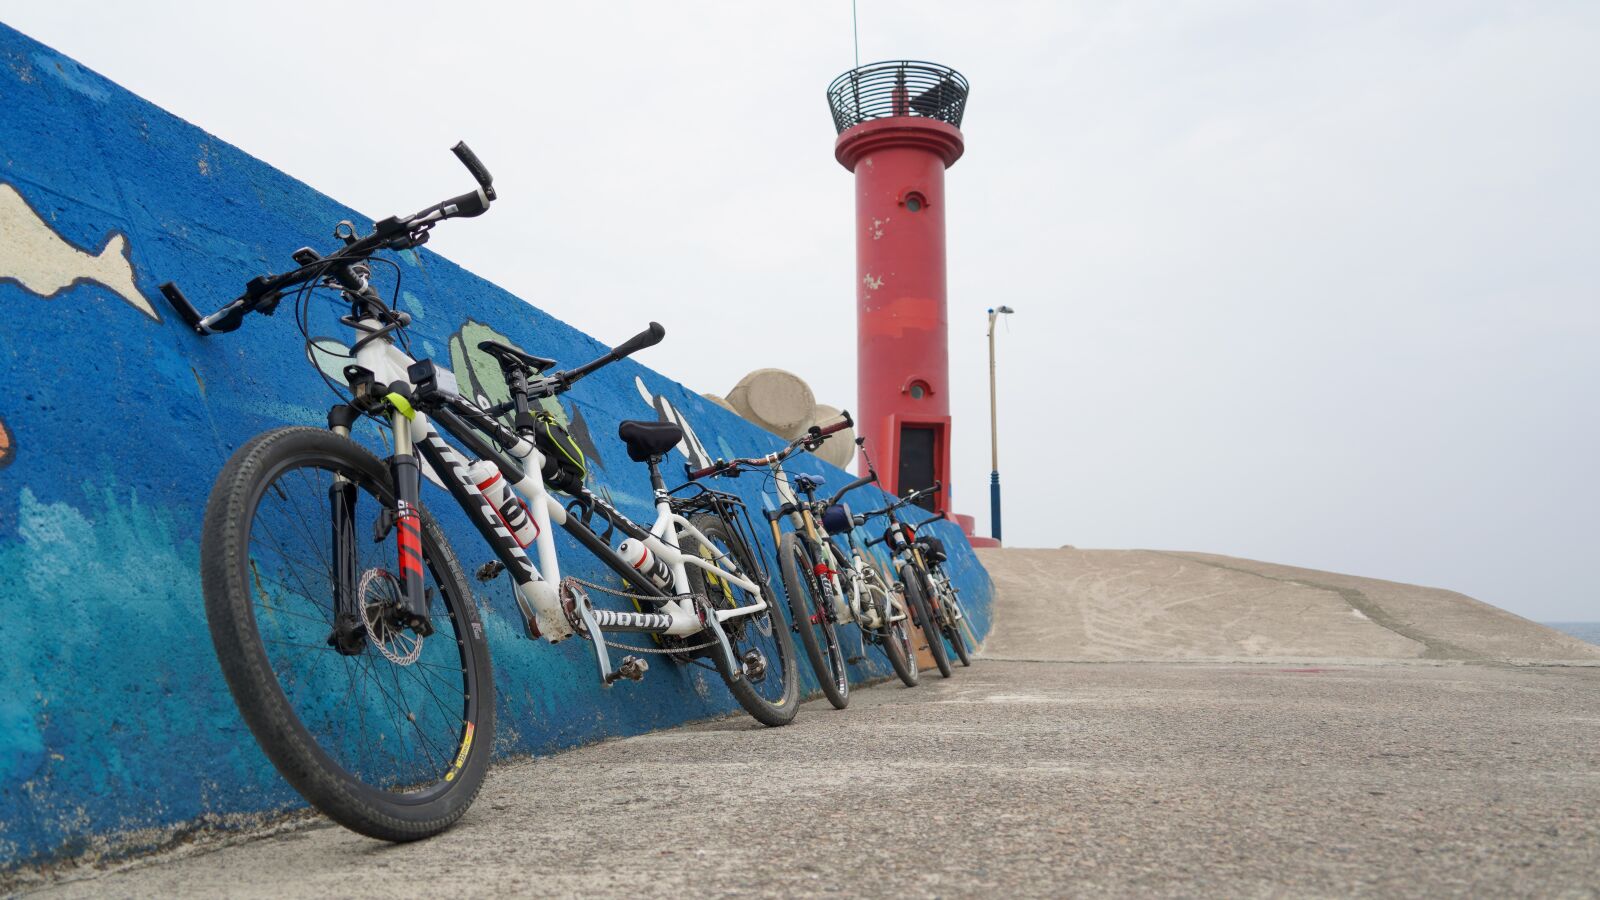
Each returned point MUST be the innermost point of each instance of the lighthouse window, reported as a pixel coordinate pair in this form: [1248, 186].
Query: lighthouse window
[914, 202]
[918, 390]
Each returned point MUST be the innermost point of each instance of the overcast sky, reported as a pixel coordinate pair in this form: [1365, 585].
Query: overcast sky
[1312, 283]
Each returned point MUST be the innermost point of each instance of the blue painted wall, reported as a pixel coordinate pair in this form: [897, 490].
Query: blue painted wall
[115, 724]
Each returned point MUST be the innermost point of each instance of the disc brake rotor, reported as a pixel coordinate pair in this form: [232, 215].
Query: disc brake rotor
[379, 593]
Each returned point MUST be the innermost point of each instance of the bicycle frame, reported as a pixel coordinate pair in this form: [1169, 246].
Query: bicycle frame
[536, 585]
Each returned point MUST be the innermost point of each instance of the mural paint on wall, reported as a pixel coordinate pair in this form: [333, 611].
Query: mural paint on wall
[690, 446]
[116, 729]
[43, 262]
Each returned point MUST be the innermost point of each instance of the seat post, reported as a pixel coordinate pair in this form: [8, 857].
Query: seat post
[656, 480]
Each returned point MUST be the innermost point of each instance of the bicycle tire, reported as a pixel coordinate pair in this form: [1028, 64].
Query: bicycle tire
[893, 637]
[949, 624]
[952, 633]
[807, 617]
[231, 566]
[923, 613]
[774, 708]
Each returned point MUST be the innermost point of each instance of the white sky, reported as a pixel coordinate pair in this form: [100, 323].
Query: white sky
[1306, 282]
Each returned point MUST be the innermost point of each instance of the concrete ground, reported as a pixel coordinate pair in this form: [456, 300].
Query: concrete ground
[1033, 775]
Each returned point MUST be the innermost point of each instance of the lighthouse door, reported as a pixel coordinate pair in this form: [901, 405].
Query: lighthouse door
[918, 452]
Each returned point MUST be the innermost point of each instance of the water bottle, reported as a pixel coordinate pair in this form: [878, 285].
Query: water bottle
[486, 475]
[651, 566]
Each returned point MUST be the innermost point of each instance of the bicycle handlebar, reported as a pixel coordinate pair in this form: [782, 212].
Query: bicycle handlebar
[912, 497]
[863, 481]
[647, 338]
[263, 292]
[813, 436]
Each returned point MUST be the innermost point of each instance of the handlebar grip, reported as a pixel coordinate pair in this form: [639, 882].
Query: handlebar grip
[647, 338]
[181, 305]
[694, 474]
[475, 166]
[465, 206]
[837, 426]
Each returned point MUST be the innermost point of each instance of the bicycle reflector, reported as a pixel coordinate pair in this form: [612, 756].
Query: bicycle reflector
[836, 519]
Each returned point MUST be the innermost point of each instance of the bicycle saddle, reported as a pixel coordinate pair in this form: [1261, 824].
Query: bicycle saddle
[807, 484]
[510, 357]
[648, 439]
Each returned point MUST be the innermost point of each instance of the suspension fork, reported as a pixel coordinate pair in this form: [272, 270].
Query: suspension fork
[407, 477]
[349, 635]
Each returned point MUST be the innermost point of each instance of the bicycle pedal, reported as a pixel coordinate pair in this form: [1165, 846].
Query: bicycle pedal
[490, 570]
[631, 667]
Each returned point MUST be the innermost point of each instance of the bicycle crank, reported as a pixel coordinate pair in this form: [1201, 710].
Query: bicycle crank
[631, 668]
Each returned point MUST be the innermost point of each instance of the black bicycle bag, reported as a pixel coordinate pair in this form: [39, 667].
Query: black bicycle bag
[836, 519]
[564, 464]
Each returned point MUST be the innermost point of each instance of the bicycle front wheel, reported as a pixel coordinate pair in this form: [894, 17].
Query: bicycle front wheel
[922, 611]
[895, 635]
[813, 620]
[386, 731]
[950, 623]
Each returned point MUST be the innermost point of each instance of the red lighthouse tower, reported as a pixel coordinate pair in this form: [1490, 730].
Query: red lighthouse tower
[899, 129]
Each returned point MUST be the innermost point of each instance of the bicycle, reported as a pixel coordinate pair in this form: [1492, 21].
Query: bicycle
[952, 619]
[364, 673]
[927, 605]
[824, 589]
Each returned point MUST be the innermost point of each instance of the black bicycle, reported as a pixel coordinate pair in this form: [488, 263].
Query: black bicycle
[915, 558]
[341, 616]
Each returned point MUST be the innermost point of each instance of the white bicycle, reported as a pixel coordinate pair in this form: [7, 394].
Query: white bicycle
[341, 617]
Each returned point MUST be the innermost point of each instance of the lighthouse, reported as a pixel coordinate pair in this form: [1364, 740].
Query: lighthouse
[899, 128]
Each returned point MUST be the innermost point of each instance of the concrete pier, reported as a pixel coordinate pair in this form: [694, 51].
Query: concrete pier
[1140, 723]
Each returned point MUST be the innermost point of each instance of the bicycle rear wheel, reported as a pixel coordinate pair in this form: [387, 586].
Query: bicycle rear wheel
[768, 683]
[812, 619]
[387, 732]
[922, 611]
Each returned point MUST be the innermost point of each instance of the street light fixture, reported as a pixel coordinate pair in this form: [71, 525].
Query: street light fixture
[994, 432]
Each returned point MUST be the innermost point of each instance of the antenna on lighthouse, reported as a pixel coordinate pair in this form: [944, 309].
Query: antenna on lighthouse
[855, 32]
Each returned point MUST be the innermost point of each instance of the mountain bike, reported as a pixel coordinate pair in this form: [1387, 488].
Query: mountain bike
[879, 610]
[927, 604]
[826, 589]
[952, 619]
[339, 612]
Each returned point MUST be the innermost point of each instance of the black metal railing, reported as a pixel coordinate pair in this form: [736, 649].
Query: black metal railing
[898, 88]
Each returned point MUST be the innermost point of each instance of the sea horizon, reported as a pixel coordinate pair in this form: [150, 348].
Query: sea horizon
[1583, 631]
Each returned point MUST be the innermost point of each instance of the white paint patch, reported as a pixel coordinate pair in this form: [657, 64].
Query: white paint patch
[1359, 614]
[690, 446]
[872, 283]
[34, 256]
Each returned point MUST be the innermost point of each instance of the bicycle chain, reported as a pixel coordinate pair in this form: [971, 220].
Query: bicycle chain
[660, 651]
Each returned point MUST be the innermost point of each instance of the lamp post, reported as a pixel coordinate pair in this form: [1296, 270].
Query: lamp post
[994, 431]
